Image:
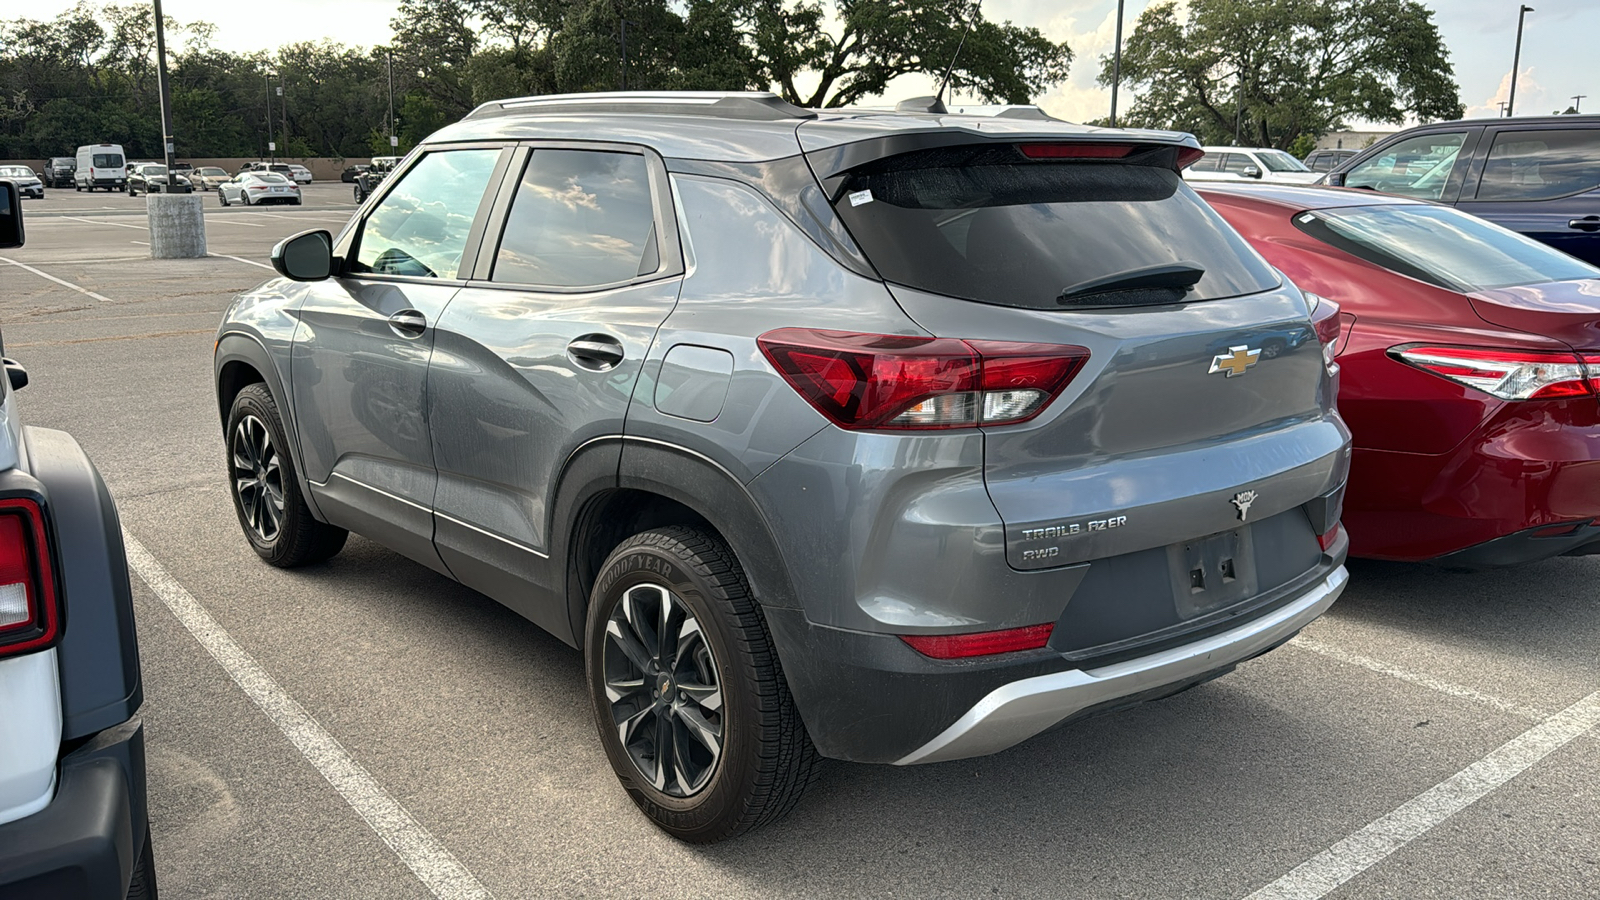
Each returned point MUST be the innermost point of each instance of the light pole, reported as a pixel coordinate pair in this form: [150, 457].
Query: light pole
[1516, 62]
[1116, 65]
[1577, 99]
[283, 107]
[272, 146]
[166, 99]
[394, 141]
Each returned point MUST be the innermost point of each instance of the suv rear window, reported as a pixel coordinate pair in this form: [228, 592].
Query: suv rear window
[1441, 246]
[988, 224]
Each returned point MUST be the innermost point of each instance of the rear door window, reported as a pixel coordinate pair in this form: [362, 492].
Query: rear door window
[1540, 165]
[1236, 163]
[1417, 167]
[1211, 162]
[107, 161]
[580, 218]
[420, 228]
[990, 225]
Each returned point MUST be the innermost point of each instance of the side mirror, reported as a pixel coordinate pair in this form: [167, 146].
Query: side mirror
[1334, 179]
[1252, 172]
[10, 216]
[307, 256]
[16, 375]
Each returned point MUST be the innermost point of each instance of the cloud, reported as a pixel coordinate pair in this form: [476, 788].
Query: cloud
[1533, 99]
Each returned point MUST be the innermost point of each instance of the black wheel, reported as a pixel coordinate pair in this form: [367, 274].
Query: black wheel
[360, 196]
[143, 885]
[688, 694]
[266, 495]
[221, 198]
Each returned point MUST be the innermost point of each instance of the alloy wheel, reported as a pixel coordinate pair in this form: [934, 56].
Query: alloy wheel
[661, 682]
[258, 478]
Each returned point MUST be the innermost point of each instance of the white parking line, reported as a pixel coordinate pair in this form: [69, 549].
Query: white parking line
[225, 218]
[146, 243]
[93, 222]
[48, 276]
[1323, 873]
[429, 860]
[248, 262]
[1417, 678]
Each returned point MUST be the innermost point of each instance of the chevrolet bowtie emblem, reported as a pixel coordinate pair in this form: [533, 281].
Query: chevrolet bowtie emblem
[1235, 361]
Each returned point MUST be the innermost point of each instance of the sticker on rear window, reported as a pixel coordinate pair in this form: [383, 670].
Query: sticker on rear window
[859, 197]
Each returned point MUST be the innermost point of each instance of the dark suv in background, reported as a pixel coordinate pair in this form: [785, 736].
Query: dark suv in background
[58, 171]
[1538, 175]
[886, 435]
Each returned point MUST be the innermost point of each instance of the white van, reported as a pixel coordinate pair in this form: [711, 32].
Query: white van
[101, 166]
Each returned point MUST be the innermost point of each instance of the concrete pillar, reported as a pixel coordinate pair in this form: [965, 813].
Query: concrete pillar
[177, 226]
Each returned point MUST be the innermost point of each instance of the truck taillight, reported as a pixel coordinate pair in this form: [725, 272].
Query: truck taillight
[904, 382]
[30, 615]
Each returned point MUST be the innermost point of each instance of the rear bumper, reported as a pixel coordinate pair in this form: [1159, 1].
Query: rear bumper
[86, 843]
[871, 698]
[1012, 714]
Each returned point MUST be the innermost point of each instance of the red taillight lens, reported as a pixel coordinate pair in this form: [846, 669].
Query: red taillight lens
[885, 381]
[1075, 151]
[1188, 156]
[258, 187]
[1507, 374]
[1326, 539]
[30, 617]
[986, 643]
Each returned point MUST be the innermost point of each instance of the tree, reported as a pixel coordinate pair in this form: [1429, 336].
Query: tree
[1270, 71]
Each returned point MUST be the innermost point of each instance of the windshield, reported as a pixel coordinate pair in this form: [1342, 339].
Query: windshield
[986, 224]
[15, 172]
[153, 171]
[211, 171]
[1279, 161]
[1441, 246]
[107, 161]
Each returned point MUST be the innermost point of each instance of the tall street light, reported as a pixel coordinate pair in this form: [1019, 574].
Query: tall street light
[166, 96]
[1516, 62]
[394, 141]
[1116, 65]
[272, 146]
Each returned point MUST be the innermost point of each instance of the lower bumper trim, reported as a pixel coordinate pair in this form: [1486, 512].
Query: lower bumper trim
[1017, 711]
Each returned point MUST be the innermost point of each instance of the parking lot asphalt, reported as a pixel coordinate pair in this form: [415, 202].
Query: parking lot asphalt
[1433, 736]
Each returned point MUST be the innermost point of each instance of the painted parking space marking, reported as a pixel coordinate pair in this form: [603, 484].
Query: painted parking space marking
[248, 262]
[1417, 678]
[1322, 874]
[94, 222]
[47, 276]
[433, 864]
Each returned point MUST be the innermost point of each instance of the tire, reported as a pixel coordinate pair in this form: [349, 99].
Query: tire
[143, 885]
[245, 199]
[764, 760]
[261, 481]
[360, 196]
[221, 198]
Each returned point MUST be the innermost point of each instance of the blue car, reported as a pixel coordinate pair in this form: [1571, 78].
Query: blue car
[1537, 175]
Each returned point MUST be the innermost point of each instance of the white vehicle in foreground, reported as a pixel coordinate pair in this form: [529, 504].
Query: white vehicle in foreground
[1249, 164]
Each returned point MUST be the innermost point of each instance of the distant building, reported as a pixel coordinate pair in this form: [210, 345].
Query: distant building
[1350, 140]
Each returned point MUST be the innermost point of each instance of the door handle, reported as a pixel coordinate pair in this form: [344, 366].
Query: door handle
[597, 352]
[1587, 223]
[408, 323]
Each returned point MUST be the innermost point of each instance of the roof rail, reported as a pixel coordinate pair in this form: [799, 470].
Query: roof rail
[757, 105]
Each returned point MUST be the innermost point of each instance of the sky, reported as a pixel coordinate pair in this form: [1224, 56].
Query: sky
[1558, 60]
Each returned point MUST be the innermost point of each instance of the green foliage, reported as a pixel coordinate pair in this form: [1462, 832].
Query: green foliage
[1302, 146]
[1274, 70]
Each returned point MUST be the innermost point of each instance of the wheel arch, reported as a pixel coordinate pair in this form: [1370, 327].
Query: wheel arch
[241, 361]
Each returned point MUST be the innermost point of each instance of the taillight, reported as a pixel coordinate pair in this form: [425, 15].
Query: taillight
[984, 643]
[1326, 539]
[1188, 156]
[258, 187]
[887, 381]
[1325, 319]
[1507, 374]
[30, 617]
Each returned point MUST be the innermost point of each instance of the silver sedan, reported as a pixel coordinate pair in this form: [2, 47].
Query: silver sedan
[251, 188]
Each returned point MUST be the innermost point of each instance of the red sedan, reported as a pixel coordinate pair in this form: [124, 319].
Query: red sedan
[1470, 360]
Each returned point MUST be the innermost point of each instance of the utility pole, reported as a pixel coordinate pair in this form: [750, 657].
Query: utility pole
[283, 107]
[394, 141]
[1516, 62]
[272, 146]
[1577, 99]
[1502, 108]
[624, 54]
[166, 99]
[1116, 66]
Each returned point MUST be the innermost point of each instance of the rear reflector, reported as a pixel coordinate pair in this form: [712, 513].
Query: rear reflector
[1326, 540]
[986, 643]
[1508, 374]
[1075, 151]
[886, 381]
[30, 617]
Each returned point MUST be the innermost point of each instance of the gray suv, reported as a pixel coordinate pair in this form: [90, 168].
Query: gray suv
[882, 435]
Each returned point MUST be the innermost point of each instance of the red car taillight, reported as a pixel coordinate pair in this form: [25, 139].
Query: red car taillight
[30, 617]
[887, 381]
[1508, 374]
[984, 643]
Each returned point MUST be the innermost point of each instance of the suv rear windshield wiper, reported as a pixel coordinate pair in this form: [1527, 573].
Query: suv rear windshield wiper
[1175, 276]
